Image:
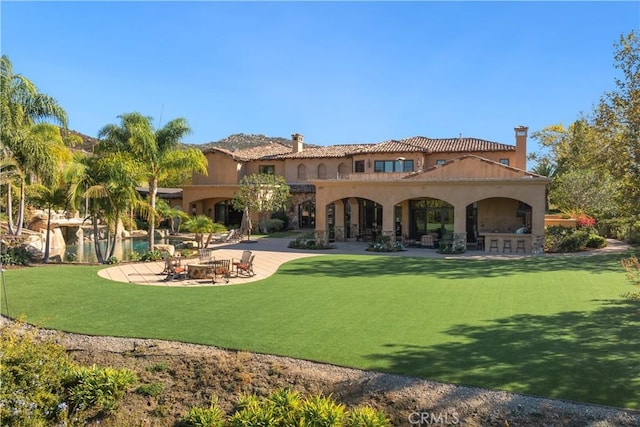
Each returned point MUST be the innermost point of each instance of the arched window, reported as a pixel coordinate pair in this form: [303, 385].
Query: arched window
[302, 171]
[322, 171]
[343, 169]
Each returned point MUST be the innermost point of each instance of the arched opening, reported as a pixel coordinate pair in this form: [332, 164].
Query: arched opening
[430, 216]
[307, 214]
[226, 214]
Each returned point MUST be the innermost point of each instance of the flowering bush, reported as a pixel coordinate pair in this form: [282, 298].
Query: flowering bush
[585, 221]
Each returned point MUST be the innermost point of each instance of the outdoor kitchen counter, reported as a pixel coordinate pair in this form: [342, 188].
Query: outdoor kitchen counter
[501, 238]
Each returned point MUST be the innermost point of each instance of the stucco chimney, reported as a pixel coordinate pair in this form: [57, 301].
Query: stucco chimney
[521, 147]
[297, 142]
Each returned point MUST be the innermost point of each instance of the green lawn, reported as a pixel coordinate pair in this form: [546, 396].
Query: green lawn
[551, 326]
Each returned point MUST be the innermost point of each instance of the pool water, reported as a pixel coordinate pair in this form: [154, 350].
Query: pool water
[86, 253]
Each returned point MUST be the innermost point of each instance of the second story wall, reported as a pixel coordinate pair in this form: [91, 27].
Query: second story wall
[221, 170]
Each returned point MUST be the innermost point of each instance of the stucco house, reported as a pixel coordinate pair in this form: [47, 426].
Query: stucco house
[462, 189]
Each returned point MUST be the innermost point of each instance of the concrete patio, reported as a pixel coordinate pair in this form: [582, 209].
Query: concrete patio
[271, 253]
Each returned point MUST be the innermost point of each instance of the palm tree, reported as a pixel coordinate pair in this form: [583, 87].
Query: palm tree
[201, 224]
[157, 152]
[174, 215]
[106, 184]
[546, 167]
[49, 198]
[32, 143]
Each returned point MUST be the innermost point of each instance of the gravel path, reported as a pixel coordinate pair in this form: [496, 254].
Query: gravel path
[405, 400]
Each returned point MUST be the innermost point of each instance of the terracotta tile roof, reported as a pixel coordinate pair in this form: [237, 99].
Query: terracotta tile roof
[254, 153]
[439, 145]
[278, 151]
[326, 152]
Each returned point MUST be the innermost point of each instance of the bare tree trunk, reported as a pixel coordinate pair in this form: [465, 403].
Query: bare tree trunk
[112, 249]
[153, 190]
[10, 210]
[20, 217]
[47, 245]
[96, 239]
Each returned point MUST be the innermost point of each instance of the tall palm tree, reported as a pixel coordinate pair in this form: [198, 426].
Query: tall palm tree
[50, 198]
[157, 152]
[23, 131]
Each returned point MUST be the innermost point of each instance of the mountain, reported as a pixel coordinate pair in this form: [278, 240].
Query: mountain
[233, 142]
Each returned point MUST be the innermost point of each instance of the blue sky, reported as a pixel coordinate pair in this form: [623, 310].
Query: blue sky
[336, 72]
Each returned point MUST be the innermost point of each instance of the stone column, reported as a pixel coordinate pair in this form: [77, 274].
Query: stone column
[459, 242]
[339, 221]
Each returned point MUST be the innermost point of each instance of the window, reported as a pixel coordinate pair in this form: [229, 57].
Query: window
[302, 171]
[267, 169]
[359, 166]
[343, 169]
[393, 166]
[322, 171]
[504, 162]
[440, 162]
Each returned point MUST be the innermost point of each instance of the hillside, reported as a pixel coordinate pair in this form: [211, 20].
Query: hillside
[233, 142]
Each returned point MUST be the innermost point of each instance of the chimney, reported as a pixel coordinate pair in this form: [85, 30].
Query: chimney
[521, 147]
[297, 142]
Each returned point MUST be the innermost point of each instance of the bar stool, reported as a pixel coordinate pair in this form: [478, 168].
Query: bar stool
[520, 245]
[506, 244]
[493, 245]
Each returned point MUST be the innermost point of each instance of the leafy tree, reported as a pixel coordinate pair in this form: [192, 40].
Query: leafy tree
[618, 123]
[34, 145]
[51, 197]
[156, 153]
[261, 193]
[584, 190]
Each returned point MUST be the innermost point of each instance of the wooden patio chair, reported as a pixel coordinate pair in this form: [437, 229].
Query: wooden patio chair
[205, 256]
[243, 260]
[222, 269]
[176, 269]
[246, 269]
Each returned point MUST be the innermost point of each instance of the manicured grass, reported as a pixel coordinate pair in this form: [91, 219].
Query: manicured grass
[551, 326]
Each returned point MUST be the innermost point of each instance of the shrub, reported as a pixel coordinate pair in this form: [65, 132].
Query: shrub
[322, 411]
[366, 416]
[385, 244]
[563, 239]
[308, 241]
[275, 225]
[41, 386]
[282, 215]
[204, 417]
[631, 267]
[112, 260]
[594, 241]
[31, 377]
[154, 255]
[447, 247]
[101, 388]
[16, 255]
[150, 390]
